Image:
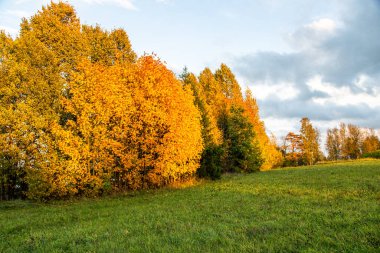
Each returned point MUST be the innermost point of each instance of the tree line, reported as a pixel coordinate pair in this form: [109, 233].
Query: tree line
[347, 141]
[350, 142]
[82, 115]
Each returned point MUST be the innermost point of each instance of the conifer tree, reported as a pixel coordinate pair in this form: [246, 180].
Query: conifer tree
[210, 164]
[241, 150]
[270, 155]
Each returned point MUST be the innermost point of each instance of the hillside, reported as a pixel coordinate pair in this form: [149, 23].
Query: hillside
[325, 208]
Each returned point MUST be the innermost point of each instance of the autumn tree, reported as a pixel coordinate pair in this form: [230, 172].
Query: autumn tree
[180, 147]
[80, 115]
[210, 164]
[107, 47]
[270, 155]
[292, 149]
[228, 84]
[352, 141]
[30, 90]
[211, 90]
[333, 144]
[310, 141]
[371, 142]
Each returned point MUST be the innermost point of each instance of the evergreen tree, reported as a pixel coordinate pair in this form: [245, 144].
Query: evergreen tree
[210, 165]
[270, 155]
[241, 151]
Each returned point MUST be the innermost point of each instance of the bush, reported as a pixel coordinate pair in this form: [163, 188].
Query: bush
[375, 154]
[211, 163]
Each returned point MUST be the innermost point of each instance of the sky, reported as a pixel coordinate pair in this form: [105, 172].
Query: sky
[301, 58]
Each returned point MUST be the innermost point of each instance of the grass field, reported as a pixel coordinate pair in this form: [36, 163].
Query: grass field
[324, 208]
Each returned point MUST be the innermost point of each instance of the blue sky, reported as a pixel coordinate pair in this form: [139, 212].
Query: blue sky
[319, 59]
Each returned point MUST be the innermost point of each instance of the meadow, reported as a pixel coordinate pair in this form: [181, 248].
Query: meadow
[324, 208]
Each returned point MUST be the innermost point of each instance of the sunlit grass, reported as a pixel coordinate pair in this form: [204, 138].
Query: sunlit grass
[325, 208]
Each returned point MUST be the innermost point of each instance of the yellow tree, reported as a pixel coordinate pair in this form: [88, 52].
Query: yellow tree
[94, 138]
[132, 126]
[58, 28]
[169, 137]
[228, 84]
[333, 144]
[212, 93]
[210, 161]
[107, 47]
[371, 142]
[310, 141]
[30, 90]
[269, 153]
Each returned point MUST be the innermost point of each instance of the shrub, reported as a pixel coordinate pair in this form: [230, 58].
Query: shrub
[375, 154]
[211, 166]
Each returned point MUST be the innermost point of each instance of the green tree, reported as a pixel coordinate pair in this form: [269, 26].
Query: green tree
[210, 165]
[241, 151]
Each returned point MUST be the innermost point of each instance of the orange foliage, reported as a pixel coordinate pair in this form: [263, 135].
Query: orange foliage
[269, 153]
[132, 127]
[81, 115]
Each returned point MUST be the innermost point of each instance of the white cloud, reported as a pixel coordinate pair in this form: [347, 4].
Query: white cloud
[323, 25]
[284, 90]
[343, 95]
[281, 126]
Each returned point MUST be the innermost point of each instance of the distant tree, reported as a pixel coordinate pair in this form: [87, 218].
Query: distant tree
[333, 144]
[310, 140]
[292, 149]
[371, 142]
[353, 142]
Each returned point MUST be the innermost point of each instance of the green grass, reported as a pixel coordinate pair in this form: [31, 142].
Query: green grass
[324, 208]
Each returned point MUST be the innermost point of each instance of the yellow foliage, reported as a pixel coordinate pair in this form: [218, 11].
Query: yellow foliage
[269, 153]
[134, 126]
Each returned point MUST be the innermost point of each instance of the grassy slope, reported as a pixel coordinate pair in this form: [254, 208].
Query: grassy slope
[326, 208]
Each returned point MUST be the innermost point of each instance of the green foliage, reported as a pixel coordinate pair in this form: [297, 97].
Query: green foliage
[211, 166]
[375, 154]
[323, 208]
[241, 152]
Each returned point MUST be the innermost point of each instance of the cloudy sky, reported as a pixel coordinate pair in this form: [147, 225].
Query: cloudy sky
[301, 58]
